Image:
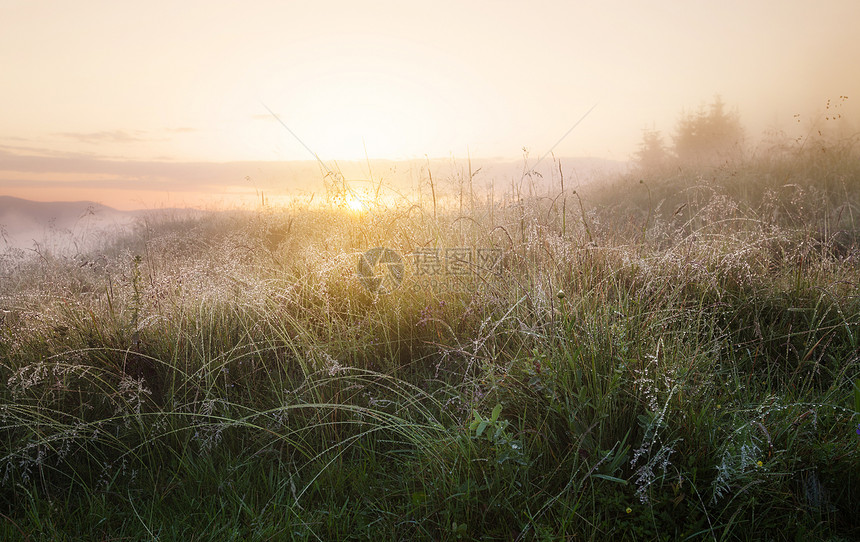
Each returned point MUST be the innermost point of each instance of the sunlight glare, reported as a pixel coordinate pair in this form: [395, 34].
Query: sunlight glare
[356, 205]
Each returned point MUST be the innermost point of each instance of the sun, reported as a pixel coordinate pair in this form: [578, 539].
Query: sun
[356, 205]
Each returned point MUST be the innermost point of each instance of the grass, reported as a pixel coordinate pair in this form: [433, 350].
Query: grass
[658, 357]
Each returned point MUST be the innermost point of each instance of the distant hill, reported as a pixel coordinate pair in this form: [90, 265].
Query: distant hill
[56, 224]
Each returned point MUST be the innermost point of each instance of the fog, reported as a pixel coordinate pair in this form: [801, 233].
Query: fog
[165, 104]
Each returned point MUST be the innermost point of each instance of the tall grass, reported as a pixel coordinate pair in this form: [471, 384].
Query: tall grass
[657, 357]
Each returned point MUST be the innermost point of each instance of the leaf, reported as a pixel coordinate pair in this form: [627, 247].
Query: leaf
[496, 411]
[610, 478]
[500, 429]
[857, 395]
[481, 427]
[476, 421]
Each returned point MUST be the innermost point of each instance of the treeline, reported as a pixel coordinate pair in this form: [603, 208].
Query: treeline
[712, 134]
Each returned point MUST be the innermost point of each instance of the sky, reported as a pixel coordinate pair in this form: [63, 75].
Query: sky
[135, 103]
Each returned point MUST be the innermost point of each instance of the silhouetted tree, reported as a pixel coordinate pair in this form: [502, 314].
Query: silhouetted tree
[652, 155]
[712, 134]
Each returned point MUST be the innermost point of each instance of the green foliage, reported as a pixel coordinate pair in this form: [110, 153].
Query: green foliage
[674, 359]
[495, 431]
[857, 396]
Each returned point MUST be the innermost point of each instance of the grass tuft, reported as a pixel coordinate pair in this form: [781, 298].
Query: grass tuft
[670, 359]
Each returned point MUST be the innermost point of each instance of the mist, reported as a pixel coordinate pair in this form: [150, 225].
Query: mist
[174, 111]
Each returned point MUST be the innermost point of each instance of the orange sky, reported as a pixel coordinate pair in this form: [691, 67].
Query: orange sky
[185, 82]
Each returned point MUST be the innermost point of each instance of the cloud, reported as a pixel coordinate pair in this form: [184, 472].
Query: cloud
[35, 167]
[43, 152]
[114, 136]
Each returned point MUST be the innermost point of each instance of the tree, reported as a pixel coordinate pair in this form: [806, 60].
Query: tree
[712, 134]
[652, 155]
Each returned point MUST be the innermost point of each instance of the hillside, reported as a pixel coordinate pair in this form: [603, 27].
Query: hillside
[666, 356]
[57, 223]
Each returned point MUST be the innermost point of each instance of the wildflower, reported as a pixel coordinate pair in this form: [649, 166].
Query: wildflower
[858, 428]
[629, 510]
[560, 294]
[759, 464]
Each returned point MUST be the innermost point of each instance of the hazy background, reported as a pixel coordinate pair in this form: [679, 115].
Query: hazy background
[161, 103]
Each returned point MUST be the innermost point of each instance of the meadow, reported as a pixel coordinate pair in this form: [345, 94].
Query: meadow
[667, 354]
